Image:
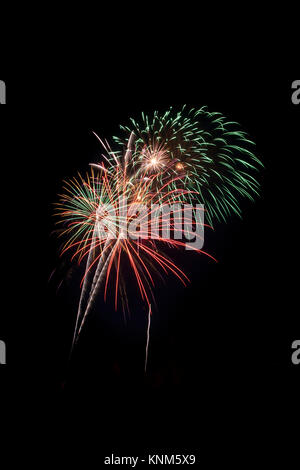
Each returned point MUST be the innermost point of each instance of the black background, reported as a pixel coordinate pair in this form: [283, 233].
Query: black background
[220, 378]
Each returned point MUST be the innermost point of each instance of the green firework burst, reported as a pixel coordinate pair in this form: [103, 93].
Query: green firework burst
[205, 153]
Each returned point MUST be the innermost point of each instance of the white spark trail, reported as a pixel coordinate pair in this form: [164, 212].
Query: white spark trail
[148, 337]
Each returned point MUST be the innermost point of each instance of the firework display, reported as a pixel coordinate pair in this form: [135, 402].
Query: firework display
[194, 161]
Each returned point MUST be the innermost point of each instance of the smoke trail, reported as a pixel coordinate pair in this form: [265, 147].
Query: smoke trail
[83, 291]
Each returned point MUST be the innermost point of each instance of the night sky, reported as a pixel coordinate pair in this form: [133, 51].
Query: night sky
[220, 375]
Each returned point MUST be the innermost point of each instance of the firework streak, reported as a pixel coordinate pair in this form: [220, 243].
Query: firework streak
[191, 161]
